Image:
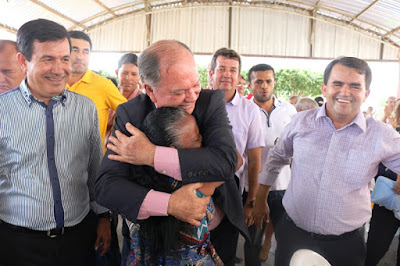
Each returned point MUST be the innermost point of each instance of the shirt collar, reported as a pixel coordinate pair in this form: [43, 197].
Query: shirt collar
[26, 93]
[359, 120]
[87, 78]
[235, 99]
[276, 103]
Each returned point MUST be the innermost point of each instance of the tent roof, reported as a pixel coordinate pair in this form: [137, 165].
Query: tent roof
[379, 19]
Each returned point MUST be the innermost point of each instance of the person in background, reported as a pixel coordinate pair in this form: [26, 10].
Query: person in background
[293, 99]
[388, 110]
[245, 119]
[85, 82]
[336, 151]
[370, 111]
[128, 78]
[319, 100]
[275, 115]
[11, 73]
[51, 149]
[242, 85]
[305, 104]
[383, 223]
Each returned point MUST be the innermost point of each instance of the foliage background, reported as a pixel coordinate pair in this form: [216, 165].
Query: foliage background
[289, 82]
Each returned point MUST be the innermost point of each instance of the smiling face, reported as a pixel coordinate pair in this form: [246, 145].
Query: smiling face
[48, 69]
[345, 91]
[225, 75]
[179, 85]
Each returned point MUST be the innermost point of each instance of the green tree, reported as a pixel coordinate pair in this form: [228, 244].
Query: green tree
[203, 76]
[298, 82]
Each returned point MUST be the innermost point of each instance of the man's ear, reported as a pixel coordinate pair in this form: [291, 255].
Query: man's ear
[22, 61]
[210, 74]
[367, 92]
[323, 89]
[116, 72]
[150, 92]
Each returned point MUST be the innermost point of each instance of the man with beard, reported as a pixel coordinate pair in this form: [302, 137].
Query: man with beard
[336, 151]
[275, 115]
[100, 90]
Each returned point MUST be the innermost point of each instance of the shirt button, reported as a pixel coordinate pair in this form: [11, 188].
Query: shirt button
[164, 172]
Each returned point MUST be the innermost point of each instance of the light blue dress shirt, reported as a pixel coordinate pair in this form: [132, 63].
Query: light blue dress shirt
[48, 159]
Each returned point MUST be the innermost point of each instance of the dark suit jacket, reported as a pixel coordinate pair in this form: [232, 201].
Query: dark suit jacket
[215, 161]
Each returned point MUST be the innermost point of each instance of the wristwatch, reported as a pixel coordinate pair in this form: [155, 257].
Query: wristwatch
[251, 203]
[106, 215]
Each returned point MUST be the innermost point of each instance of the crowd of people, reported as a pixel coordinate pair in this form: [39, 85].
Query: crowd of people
[188, 169]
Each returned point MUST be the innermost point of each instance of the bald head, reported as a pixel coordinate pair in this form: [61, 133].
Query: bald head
[158, 57]
[305, 104]
[11, 74]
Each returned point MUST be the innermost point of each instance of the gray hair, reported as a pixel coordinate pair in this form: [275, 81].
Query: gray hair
[306, 104]
[157, 56]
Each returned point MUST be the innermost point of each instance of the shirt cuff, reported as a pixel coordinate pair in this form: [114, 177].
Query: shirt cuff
[166, 162]
[154, 204]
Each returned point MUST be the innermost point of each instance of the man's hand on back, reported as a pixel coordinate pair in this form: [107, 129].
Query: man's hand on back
[136, 149]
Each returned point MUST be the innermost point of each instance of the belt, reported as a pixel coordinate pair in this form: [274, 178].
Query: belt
[327, 237]
[52, 233]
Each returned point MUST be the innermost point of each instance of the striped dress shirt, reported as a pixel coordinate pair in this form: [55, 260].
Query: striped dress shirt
[332, 169]
[48, 159]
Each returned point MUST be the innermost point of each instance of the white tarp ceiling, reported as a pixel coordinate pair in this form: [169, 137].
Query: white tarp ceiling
[368, 29]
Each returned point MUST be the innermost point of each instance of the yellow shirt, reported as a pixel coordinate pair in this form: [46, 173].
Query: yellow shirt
[102, 92]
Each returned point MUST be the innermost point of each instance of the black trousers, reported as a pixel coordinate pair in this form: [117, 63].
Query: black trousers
[345, 250]
[224, 238]
[276, 209]
[252, 247]
[25, 248]
[383, 227]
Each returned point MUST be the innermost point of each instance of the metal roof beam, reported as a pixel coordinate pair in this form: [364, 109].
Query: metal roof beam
[57, 13]
[365, 10]
[8, 28]
[106, 8]
[390, 32]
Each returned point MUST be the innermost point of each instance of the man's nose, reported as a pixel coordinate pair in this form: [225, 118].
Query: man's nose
[226, 73]
[345, 90]
[264, 84]
[191, 95]
[57, 68]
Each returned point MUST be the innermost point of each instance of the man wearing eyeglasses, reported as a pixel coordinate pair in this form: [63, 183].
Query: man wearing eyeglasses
[241, 85]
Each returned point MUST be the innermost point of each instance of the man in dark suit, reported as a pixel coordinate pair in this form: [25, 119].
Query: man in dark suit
[170, 77]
